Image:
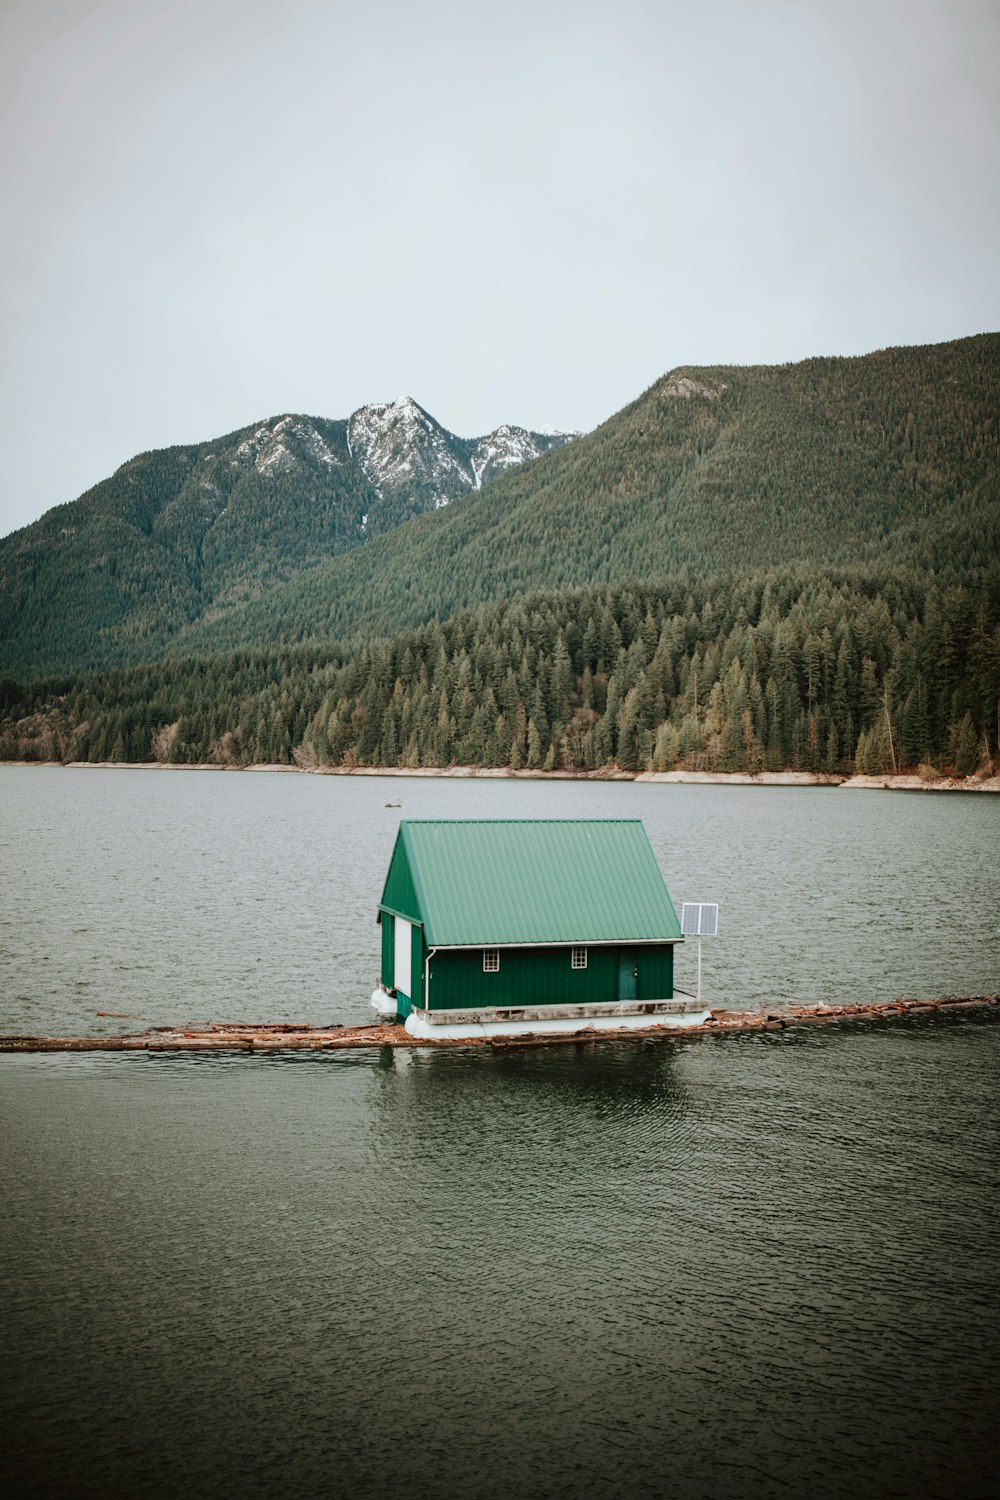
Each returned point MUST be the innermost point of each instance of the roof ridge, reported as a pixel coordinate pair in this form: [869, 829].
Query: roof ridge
[534, 821]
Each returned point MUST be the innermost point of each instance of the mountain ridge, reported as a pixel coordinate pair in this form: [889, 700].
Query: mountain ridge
[787, 567]
[873, 461]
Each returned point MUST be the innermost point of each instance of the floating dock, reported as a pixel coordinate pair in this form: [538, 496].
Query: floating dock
[281, 1036]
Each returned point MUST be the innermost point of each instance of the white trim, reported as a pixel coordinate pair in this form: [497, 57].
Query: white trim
[590, 943]
[481, 1014]
[491, 960]
[578, 957]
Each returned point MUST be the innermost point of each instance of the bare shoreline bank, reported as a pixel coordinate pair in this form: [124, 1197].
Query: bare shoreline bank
[889, 782]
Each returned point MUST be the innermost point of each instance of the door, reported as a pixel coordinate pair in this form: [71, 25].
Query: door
[401, 958]
[628, 976]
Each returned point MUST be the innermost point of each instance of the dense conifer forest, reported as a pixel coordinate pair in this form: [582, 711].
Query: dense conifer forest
[832, 671]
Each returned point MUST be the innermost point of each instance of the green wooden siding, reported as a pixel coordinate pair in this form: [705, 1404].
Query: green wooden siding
[417, 955]
[400, 898]
[400, 894]
[544, 976]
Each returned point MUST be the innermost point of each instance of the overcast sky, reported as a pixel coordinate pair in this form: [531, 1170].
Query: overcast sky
[218, 210]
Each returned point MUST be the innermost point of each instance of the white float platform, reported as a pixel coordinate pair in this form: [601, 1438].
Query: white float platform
[420, 1028]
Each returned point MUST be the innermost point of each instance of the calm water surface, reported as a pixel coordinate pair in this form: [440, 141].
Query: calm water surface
[756, 1265]
[177, 896]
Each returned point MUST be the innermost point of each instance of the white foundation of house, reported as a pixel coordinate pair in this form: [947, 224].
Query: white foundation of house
[383, 1005]
[555, 1020]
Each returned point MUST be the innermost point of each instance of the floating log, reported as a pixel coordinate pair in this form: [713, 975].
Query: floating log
[265, 1036]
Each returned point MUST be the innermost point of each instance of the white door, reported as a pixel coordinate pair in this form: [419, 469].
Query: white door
[401, 963]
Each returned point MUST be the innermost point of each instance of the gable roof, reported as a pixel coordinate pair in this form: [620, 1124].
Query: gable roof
[520, 881]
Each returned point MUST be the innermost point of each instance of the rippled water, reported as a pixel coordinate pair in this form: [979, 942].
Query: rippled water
[758, 1265]
[724, 1266]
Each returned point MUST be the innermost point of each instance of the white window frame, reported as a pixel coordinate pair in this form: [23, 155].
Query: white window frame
[491, 960]
[578, 958]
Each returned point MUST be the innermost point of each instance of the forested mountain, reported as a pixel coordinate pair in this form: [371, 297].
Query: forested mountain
[889, 459]
[290, 530]
[793, 566]
[184, 534]
[746, 672]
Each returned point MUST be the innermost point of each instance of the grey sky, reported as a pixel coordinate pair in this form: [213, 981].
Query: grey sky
[217, 210]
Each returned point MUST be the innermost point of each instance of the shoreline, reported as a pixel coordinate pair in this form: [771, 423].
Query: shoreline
[889, 782]
[278, 1036]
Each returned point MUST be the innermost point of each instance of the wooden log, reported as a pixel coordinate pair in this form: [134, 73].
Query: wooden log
[277, 1036]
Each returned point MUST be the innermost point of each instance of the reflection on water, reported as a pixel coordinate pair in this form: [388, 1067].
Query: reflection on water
[726, 1266]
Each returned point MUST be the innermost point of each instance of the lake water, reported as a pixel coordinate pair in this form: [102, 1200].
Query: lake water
[723, 1266]
[185, 896]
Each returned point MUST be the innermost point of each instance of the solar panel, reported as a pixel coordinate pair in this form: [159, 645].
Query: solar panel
[700, 919]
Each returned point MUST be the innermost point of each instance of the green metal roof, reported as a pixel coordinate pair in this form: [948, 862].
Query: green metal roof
[523, 881]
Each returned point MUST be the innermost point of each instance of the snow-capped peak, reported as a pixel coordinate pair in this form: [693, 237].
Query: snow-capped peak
[397, 443]
[275, 447]
[507, 447]
[410, 462]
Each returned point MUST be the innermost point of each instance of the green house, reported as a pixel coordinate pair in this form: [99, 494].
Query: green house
[526, 926]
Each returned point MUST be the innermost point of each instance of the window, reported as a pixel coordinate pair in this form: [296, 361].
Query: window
[491, 960]
[578, 958]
